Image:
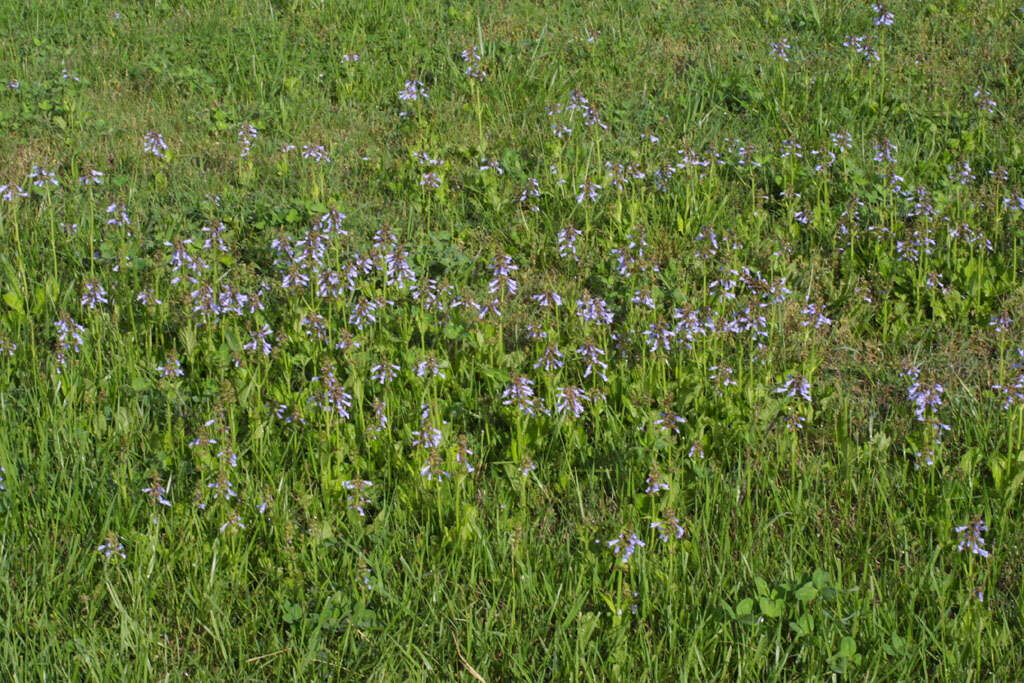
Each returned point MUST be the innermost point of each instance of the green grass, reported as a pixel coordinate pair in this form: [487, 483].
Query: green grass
[809, 553]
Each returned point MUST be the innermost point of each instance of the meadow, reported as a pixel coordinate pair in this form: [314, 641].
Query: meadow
[511, 340]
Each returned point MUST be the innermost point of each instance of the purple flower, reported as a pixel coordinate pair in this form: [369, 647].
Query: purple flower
[157, 493]
[154, 144]
[258, 342]
[591, 354]
[317, 153]
[883, 16]
[357, 500]
[333, 396]
[570, 399]
[111, 546]
[550, 360]
[171, 367]
[925, 397]
[659, 336]
[669, 527]
[778, 49]
[588, 192]
[567, 238]
[93, 294]
[384, 372]
[796, 385]
[491, 165]
[593, 309]
[414, 90]
[432, 468]
[246, 136]
[40, 177]
[234, 523]
[91, 177]
[625, 545]
[970, 536]
[520, 394]
[654, 483]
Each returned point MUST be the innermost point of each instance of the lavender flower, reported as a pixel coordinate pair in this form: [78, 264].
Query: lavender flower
[654, 483]
[317, 153]
[69, 338]
[520, 394]
[588, 192]
[357, 500]
[222, 487]
[157, 493]
[970, 536]
[567, 238]
[813, 316]
[883, 16]
[463, 453]
[246, 136]
[7, 347]
[985, 101]
[625, 545]
[40, 177]
[429, 367]
[659, 336]
[9, 193]
[333, 396]
[924, 397]
[885, 152]
[91, 177]
[118, 216]
[778, 50]
[526, 466]
[234, 523]
[384, 372]
[550, 360]
[414, 90]
[548, 299]
[432, 468]
[796, 385]
[491, 165]
[570, 399]
[1001, 323]
[154, 144]
[93, 294]
[591, 355]
[669, 421]
[258, 342]
[669, 527]
[171, 367]
[593, 309]
[112, 546]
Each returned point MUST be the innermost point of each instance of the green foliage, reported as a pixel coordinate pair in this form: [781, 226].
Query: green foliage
[796, 539]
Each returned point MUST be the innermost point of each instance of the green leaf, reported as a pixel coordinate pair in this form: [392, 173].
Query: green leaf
[802, 626]
[744, 606]
[14, 302]
[847, 647]
[771, 608]
[807, 592]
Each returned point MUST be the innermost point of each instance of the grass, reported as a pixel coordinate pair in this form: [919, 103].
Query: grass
[218, 523]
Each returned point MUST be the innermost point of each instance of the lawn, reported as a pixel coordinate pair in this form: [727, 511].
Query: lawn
[511, 340]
